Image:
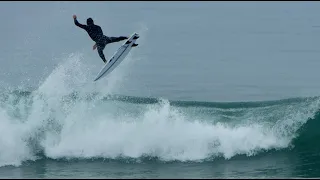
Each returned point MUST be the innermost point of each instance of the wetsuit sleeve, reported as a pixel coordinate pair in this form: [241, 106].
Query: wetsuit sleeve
[80, 25]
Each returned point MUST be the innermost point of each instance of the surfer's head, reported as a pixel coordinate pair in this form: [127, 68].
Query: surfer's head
[89, 21]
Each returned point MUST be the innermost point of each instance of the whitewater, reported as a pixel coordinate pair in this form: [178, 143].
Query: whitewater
[60, 120]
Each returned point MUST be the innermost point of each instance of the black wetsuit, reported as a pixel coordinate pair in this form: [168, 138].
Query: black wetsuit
[96, 34]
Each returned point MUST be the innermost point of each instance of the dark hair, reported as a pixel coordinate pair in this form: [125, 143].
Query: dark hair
[89, 21]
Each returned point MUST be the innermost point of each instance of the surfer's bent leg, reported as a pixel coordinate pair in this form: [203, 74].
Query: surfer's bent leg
[100, 52]
[106, 40]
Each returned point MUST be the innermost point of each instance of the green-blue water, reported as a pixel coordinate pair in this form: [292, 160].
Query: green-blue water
[214, 90]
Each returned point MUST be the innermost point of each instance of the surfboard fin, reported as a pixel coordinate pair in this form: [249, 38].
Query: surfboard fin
[134, 45]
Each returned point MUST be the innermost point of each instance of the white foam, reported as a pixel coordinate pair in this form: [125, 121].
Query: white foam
[13, 146]
[161, 132]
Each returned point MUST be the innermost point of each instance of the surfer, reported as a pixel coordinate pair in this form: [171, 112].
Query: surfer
[96, 34]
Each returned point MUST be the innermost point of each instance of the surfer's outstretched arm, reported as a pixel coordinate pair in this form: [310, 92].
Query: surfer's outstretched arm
[78, 24]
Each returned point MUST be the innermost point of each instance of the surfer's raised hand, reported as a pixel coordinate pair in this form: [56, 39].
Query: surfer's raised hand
[74, 17]
[94, 46]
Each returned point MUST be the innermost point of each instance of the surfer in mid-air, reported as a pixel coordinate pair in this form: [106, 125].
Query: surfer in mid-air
[96, 34]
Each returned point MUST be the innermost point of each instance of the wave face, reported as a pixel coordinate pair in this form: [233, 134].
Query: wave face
[64, 120]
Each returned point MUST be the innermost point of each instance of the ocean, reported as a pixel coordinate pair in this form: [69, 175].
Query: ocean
[214, 90]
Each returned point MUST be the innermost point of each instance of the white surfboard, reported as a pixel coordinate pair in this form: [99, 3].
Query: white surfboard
[117, 58]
